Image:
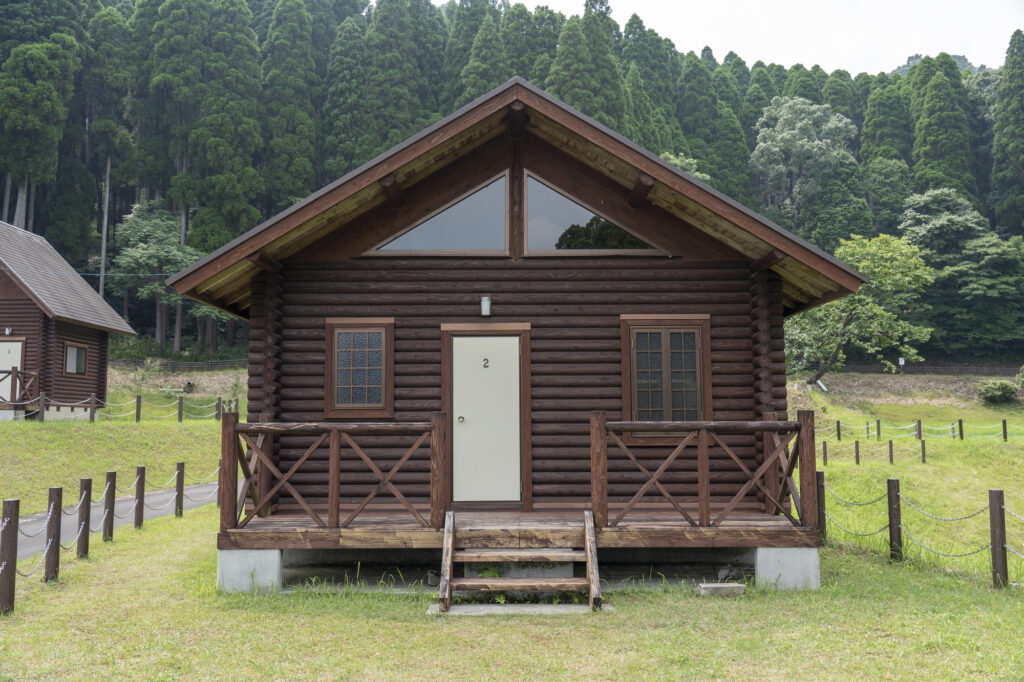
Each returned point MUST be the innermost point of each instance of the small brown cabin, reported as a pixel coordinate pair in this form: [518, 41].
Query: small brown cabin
[518, 316]
[54, 329]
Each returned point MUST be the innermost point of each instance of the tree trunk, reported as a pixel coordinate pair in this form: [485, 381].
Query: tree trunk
[124, 303]
[179, 312]
[200, 331]
[30, 224]
[159, 331]
[106, 222]
[828, 364]
[211, 335]
[7, 199]
[22, 203]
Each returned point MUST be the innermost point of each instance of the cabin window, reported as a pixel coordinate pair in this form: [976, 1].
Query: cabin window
[75, 357]
[475, 222]
[666, 368]
[360, 367]
[557, 224]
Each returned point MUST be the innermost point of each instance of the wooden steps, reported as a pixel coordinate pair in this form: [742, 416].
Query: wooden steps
[590, 584]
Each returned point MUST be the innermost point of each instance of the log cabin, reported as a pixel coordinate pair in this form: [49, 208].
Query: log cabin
[54, 332]
[517, 336]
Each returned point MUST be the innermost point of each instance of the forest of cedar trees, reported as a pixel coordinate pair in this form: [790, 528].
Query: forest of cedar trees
[140, 135]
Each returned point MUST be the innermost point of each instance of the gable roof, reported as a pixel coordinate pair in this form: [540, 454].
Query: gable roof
[810, 276]
[52, 283]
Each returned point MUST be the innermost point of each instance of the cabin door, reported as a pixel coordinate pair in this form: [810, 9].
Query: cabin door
[11, 353]
[486, 418]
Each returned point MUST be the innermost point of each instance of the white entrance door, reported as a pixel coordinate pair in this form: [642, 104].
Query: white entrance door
[10, 356]
[485, 419]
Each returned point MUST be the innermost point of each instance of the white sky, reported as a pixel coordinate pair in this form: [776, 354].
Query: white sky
[856, 35]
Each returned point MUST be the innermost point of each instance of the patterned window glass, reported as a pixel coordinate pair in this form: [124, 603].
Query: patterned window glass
[665, 374]
[359, 377]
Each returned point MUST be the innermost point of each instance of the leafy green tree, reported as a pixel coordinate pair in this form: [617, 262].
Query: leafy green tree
[873, 321]
[687, 165]
[779, 76]
[598, 233]
[888, 183]
[887, 131]
[429, 37]
[541, 68]
[547, 26]
[486, 67]
[345, 118]
[146, 109]
[942, 152]
[982, 88]
[601, 12]
[34, 21]
[1008, 142]
[837, 92]
[288, 72]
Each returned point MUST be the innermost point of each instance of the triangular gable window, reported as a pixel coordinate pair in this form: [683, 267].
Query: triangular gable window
[476, 222]
[554, 222]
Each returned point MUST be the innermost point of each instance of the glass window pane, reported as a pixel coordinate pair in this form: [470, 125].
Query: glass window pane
[655, 379]
[643, 361]
[677, 416]
[641, 340]
[359, 340]
[643, 399]
[675, 340]
[374, 358]
[374, 377]
[656, 400]
[344, 340]
[677, 399]
[374, 340]
[677, 361]
[689, 361]
[655, 341]
[556, 222]
[344, 377]
[358, 396]
[344, 396]
[655, 360]
[359, 377]
[476, 223]
[690, 341]
[359, 358]
[373, 396]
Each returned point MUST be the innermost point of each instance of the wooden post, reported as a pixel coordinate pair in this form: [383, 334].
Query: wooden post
[856, 452]
[334, 482]
[1004, 430]
[772, 479]
[960, 427]
[997, 528]
[108, 506]
[84, 516]
[14, 384]
[140, 496]
[895, 521]
[824, 453]
[703, 479]
[878, 429]
[138, 408]
[440, 472]
[839, 430]
[51, 565]
[923, 458]
[917, 429]
[264, 483]
[217, 410]
[890, 452]
[92, 407]
[179, 489]
[41, 412]
[821, 504]
[808, 478]
[181, 407]
[228, 472]
[599, 468]
[8, 554]
[867, 430]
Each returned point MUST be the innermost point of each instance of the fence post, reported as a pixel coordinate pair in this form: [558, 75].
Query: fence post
[8, 554]
[997, 528]
[923, 458]
[895, 521]
[599, 468]
[108, 506]
[228, 472]
[138, 408]
[181, 407]
[917, 429]
[856, 452]
[824, 453]
[1004, 430]
[878, 429]
[867, 430]
[179, 489]
[217, 410]
[92, 407]
[41, 412]
[805, 450]
[839, 430]
[51, 568]
[960, 427]
[140, 496]
[890, 452]
[84, 515]
[821, 504]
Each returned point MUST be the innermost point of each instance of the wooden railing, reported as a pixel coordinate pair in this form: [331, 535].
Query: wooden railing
[785, 444]
[22, 383]
[262, 480]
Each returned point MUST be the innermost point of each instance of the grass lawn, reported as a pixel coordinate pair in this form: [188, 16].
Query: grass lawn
[35, 456]
[145, 607]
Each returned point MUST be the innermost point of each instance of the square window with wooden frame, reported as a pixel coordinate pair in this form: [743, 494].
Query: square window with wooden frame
[360, 369]
[666, 371]
[76, 358]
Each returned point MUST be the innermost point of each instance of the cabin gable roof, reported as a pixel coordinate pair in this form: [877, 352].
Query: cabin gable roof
[45, 277]
[517, 108]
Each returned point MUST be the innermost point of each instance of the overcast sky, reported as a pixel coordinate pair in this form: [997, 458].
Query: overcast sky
[856, 35]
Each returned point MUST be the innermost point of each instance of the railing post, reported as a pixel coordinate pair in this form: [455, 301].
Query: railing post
[84, 516]
[51, 566]
[8, 554]
[92, 407]
[703, 479]
[41, 412]
[14, 385]
[821, 503]
[440, 472]
[217, 410]
[228, 471]
[895, 520]
[997, 529]
[138, 408]
[140, 496]
[181, 407]
[772, 478]
[808, 460]
[334, 482]
[599, 467]
[108, 506]
[179, 489]
[264, 483]
[856, 452]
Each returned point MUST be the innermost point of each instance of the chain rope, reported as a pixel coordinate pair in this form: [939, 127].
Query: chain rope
[162, 507]
[167, 483]
[102, 521]
[74, 510]
[943, 518]
[1014, 515]
[38, 563]
[855, 504]
[128, 513]
[935, 551]
[200, 499]
[81, 527]
[127, 490]
[46, 521]
[851, 532]
[203, 480]
[1009, 549]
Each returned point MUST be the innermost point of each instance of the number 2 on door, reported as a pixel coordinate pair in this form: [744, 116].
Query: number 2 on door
[487, 363]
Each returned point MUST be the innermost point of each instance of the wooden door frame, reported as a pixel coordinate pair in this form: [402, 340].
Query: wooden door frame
[523, 331]
[23, 340]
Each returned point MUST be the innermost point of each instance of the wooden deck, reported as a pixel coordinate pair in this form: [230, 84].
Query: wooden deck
[505, 529]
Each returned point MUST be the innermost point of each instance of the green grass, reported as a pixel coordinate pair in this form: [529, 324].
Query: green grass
[35, 456]
[145, 607]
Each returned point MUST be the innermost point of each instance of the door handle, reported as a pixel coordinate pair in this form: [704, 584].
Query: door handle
[462, 419]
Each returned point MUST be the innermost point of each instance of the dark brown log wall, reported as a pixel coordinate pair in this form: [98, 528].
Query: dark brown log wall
[573, 305]
[72, 388]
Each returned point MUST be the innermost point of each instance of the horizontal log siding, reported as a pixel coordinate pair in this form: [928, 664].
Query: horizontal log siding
[24, 318]
[573, 305]
[72, 388]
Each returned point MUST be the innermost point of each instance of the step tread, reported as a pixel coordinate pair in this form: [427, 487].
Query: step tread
[513, 555]
[498, 584]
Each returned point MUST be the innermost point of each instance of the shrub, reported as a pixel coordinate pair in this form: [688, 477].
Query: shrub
[1020, 378]
[996, 390]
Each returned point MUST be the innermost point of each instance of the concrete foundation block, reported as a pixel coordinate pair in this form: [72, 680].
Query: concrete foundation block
[249, 570]
[787, 568]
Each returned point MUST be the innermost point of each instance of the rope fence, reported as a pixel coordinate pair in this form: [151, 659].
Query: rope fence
[11, 524]
[956, 430]
[998, 547]
[92, 409]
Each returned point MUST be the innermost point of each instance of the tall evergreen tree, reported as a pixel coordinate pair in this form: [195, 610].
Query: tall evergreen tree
[1008, 141]
[32, 21]
[601, 33]
[738, 68]
[643, 124]
[654, 58]
[761, 77]
[345, 118]
[571, 78]
[429, 37]
[547, 26]
[941, 152]
[290, 133]
[801, 83]
[465, 24]
[707, 57]
[837, 92]
[518, 40]
[727, 89]
[862, 87]
[888, 183]
[753, 106]
[887, 131]
[486, 67]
